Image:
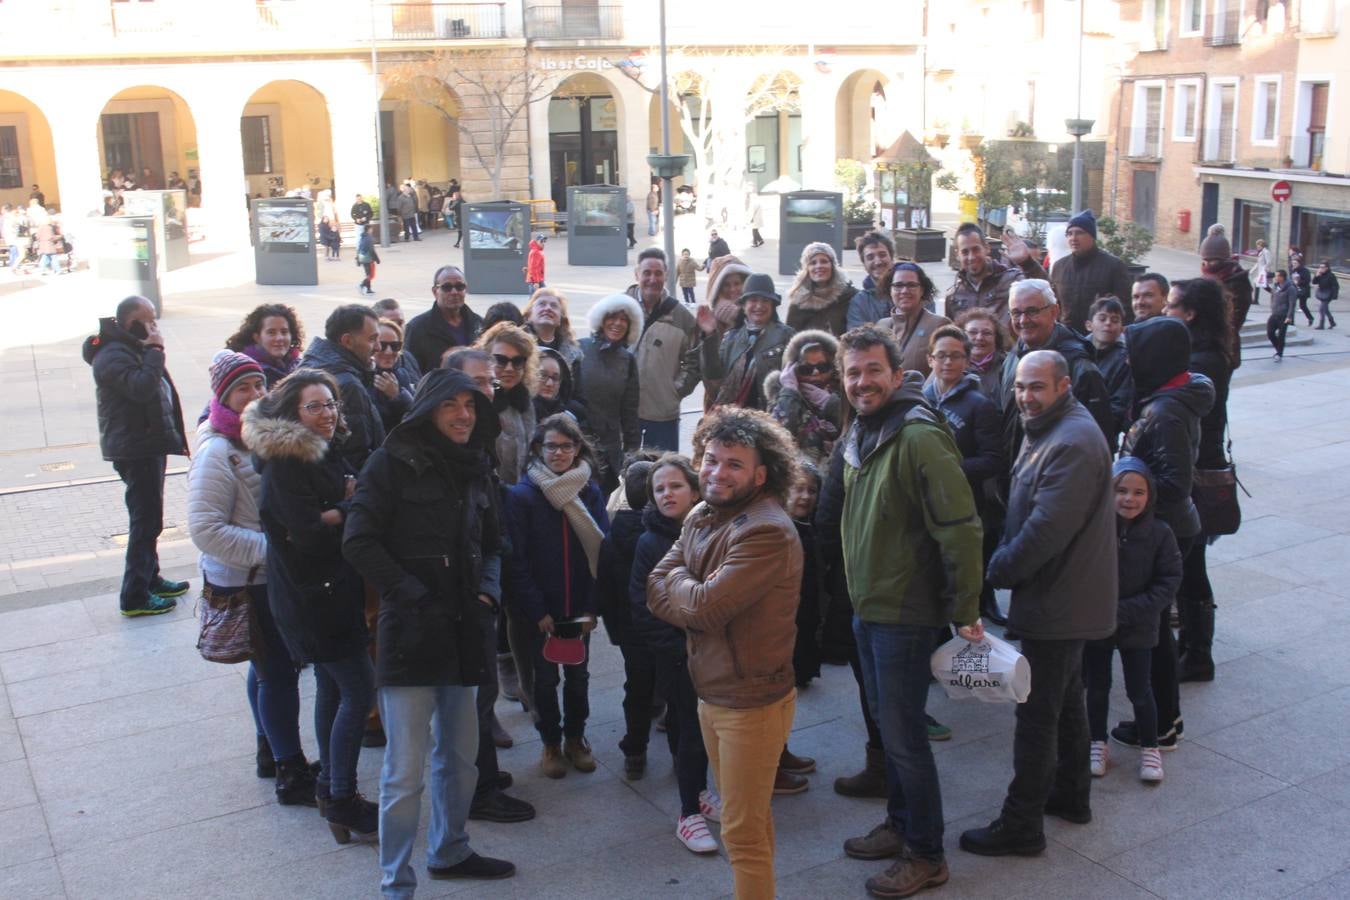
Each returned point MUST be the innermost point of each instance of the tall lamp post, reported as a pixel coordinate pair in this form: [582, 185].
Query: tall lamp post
[667, 165]
[1078, 126]
[383, 201]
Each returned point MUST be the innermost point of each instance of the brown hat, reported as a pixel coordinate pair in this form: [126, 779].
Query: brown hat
[1215, 245]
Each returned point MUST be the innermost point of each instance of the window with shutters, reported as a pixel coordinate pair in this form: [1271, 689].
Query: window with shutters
[1221, 121]
[11, 175]
[1266, 110]
[1186, 110]
[256, 134]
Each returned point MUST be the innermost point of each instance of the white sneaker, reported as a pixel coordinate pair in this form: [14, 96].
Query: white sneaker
[1100, 755]
[710, 805]
[1150, 764]
[693, 833]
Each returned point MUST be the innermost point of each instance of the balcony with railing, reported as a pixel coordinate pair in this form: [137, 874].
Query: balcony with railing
[558, 22]
[1143, 142]
[1224, 28]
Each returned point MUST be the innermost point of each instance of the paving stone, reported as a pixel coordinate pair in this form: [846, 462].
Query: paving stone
[36, 880]
[24, 837]
[1295, 743]
[44, 625]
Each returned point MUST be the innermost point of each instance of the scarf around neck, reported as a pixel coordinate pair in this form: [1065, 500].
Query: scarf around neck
[224, 420]
[563, 493]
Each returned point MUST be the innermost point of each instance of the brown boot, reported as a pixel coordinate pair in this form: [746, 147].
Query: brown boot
[551, 761]
[870, 782]
[908, 876]
[578, 752]
[787, 783]
[797, 765]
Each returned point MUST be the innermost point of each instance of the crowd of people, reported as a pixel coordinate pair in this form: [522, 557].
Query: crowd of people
[437, 512]
[33, 236]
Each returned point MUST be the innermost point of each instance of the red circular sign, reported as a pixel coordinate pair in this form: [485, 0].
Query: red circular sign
[1280, 191]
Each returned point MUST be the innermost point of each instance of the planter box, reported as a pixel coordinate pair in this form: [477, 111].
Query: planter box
[853, 231]
[920, 244]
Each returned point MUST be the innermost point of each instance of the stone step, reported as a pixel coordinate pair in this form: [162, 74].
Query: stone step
[1255, 336]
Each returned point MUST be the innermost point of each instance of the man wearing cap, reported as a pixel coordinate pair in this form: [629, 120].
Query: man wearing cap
[140, 424]
[1218, 264]
[736, 364]
[1086, 273]
[910, 290]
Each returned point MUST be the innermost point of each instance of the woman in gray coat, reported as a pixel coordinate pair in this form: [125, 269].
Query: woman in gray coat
[607, 379]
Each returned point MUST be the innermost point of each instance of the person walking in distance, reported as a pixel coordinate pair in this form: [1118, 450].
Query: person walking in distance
[367, 257]
[1328, 289]
[733, 580]
[1282, 304]
[140, 424]
[1058, 554]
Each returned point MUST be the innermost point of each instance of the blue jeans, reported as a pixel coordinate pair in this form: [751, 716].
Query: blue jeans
[273, 681]
[652, 219]
[895, 670]
[48, 261]
[15, 257]
[444, 716]
[660, 435]
[346, 692]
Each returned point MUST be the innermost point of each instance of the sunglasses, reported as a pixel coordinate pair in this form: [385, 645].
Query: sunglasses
[448, 286]
[814, 368]
[391, 346]
[514, 362]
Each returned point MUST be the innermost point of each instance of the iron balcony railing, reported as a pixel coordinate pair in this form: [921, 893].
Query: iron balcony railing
[553, 23]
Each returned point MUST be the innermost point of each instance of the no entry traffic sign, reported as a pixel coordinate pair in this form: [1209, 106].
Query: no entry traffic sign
[1280, 191]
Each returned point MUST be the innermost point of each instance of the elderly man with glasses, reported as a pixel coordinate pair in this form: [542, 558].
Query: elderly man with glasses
[1034, 312]
[449, 323]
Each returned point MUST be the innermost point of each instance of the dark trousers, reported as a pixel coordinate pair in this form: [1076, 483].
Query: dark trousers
[683, 733]
[632, 240]
[639, 692]
[273, 680]
[755, 238]
[570, 721]
[1324, 316]
[1050, 744]
[345, 693]
[1276, 328]
[144, 479]
[688, 293]
[895, 670]
[1097, 682]
[369, 269]
[660, 435]
[486, 700]
[1303, 308]
[1164, 671]
[806, 650]
[1195, 607]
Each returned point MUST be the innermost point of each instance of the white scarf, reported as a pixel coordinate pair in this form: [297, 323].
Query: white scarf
[562, 493]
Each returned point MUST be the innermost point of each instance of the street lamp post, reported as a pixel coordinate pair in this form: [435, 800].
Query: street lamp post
[667, 165]
[1078, 126]
[382, 201]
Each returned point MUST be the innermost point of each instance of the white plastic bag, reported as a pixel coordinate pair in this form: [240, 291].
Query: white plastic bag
[990, 670]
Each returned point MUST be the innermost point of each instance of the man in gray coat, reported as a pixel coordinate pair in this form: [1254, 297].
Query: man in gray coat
[1058, 554]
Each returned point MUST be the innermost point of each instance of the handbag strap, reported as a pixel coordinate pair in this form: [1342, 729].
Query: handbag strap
[1228, 452]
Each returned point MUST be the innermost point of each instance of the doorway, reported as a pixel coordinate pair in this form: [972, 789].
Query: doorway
[1144, 209]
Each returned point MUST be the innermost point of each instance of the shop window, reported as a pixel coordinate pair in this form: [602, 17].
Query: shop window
[11, 176]
[1251, 222]
[256, 132]
[1323, 234]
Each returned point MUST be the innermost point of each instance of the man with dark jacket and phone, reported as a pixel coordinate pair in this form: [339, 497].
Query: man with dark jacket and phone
[140, 424]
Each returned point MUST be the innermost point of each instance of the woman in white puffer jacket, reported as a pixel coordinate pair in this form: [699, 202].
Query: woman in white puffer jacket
[224, 491]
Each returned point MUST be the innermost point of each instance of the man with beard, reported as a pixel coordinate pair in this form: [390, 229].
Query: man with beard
[872, 304]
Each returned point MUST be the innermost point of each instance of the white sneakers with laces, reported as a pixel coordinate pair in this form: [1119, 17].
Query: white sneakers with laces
[710, 805]
[693, 833]
[1100, 755]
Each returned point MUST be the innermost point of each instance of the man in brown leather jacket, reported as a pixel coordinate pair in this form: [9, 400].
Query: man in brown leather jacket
[733, 582]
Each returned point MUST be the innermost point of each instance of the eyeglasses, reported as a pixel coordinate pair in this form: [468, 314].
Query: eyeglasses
[514, 362]
[944, 356]
[814, 368]
[391, 346]
[1028, 311]
[906, 286]
[314, 407]
[555, 449]
[448, 286]
[547, 378]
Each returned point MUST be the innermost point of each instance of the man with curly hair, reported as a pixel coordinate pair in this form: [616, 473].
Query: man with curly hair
[733, 582]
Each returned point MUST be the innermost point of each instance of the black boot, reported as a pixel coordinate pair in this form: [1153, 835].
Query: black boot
[1198, 662]
[870, 782]
[267, 766]
[295, 782]
[354, 815]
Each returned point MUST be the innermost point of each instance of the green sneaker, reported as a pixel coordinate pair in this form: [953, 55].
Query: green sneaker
[937, 731]
[155, 605]
[165, 588]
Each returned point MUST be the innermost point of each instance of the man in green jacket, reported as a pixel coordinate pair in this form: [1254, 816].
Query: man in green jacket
[912, 553]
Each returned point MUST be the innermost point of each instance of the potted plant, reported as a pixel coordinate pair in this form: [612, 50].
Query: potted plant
[860, 213]
[1127, 241]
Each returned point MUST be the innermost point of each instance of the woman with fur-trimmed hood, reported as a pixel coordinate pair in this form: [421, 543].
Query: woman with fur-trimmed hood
[805, 397]
[607, 380]
[819, 296]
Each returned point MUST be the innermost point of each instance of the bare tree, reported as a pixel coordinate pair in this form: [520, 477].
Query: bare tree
[482, 93]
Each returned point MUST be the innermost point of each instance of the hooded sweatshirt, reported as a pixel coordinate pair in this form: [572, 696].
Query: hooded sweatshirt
[1149, 566]
[1169, 403]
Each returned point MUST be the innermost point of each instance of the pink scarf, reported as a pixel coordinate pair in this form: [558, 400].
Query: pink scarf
[224, 420]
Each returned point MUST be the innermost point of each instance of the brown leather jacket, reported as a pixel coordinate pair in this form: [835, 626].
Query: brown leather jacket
[733, 582]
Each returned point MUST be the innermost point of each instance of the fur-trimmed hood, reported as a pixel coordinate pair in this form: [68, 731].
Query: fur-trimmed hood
[618, 303]
[792, 352]
[277, 438]
[805, 294]
[719, 269]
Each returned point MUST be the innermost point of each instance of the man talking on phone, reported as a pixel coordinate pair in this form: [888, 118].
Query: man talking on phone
[140, 424]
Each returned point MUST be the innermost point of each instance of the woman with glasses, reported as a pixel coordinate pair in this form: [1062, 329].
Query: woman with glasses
[557, 521]
[315, 596]
[989, 344]
[977, 425]
[911, 290]
[392, 387]
[805, 398]
[515, 376]
[557, 392]
[608, 379]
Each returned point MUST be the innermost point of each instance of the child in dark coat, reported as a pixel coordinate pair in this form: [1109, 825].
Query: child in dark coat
[611, 601]
[1150, 573]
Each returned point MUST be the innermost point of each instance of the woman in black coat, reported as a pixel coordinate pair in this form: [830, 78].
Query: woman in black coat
[395, 375]
[316, 598]
[607, 380]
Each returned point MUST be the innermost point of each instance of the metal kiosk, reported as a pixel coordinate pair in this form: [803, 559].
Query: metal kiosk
[126, 255]
[808, 217]
[283, 241]
[169, 209]
[496, 243]
[596, 214]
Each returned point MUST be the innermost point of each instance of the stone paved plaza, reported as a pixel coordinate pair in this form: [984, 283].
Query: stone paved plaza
[126, 761]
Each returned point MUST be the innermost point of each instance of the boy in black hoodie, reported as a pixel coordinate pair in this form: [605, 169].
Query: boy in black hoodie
[611, 597]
